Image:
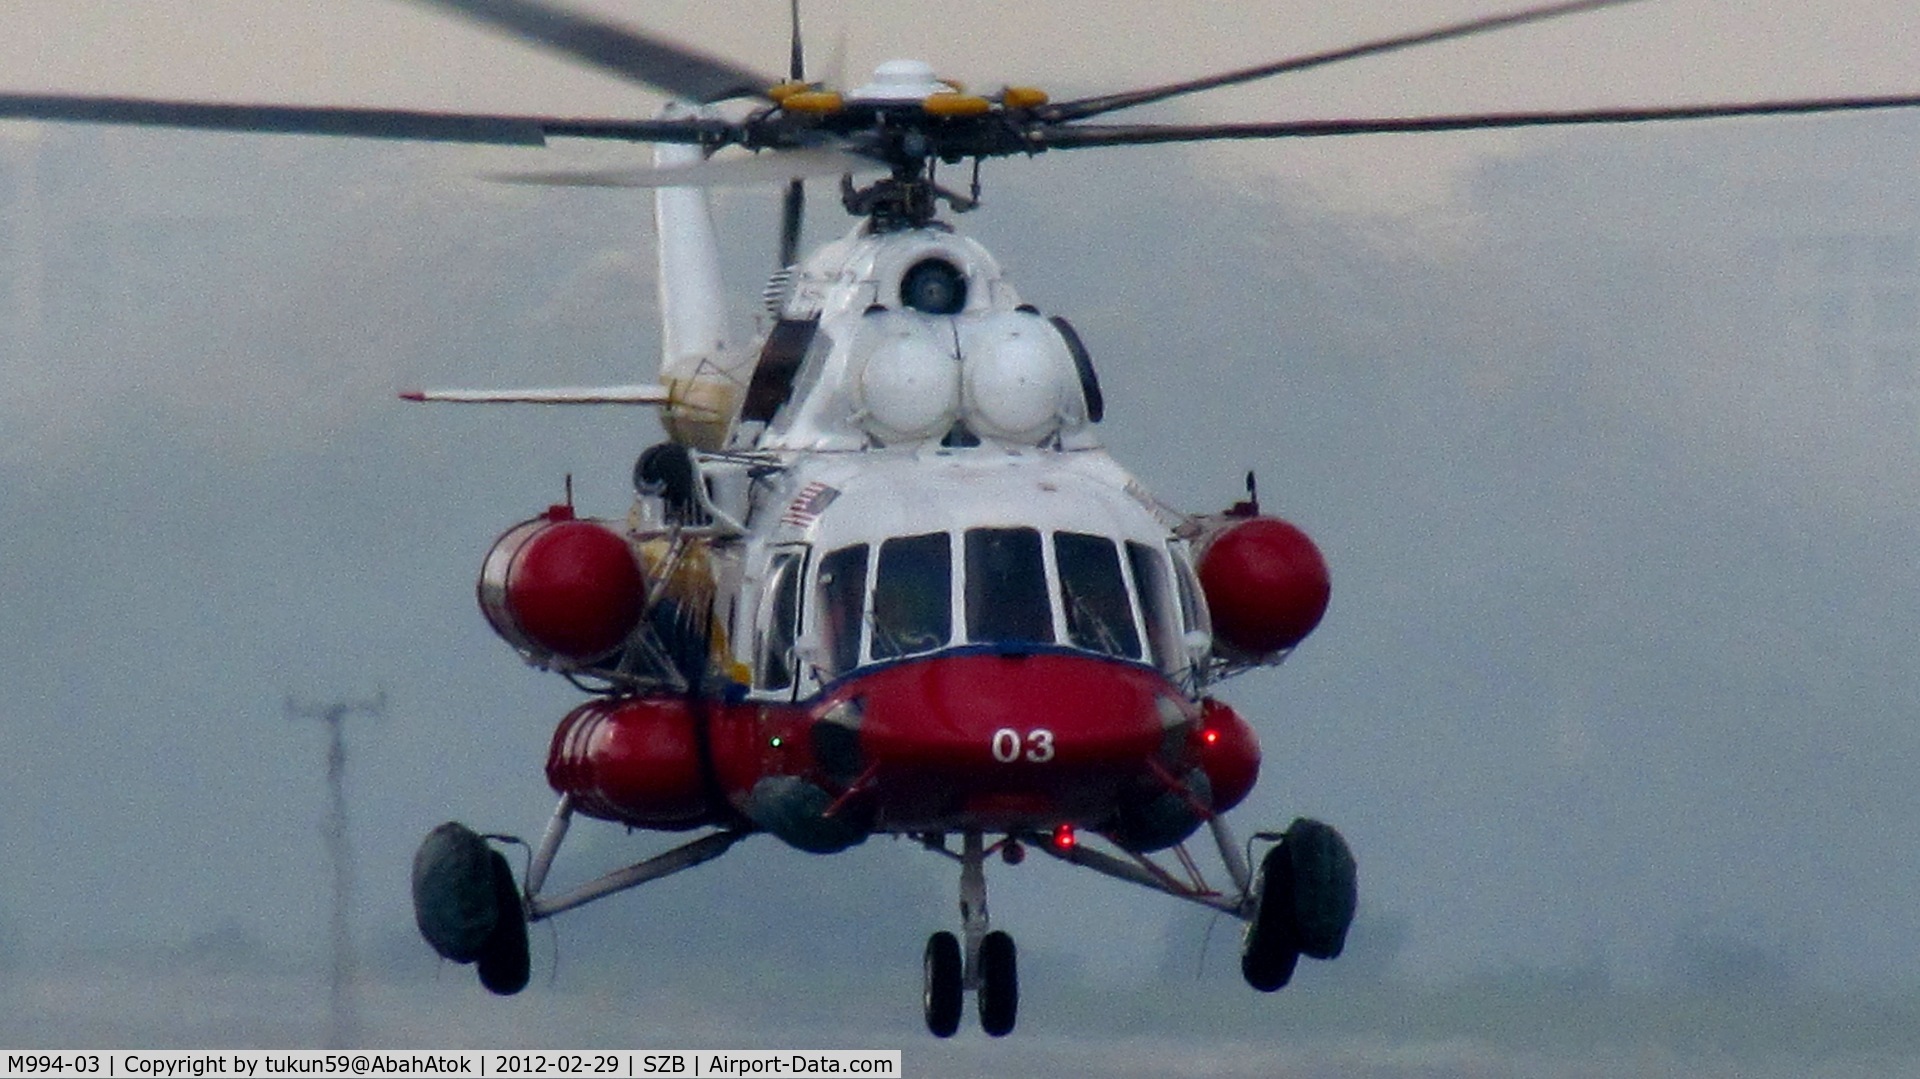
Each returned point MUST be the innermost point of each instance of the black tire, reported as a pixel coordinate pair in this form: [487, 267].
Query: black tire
[941, 989]
[1270, 951]
[504, 963]
[999, 984]
[1325, 888]
[455, 904]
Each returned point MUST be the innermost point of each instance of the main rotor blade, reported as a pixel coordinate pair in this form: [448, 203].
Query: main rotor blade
[1074, 136]
[773, 166]
[353, 122]
[1094, 106]
[667, 65]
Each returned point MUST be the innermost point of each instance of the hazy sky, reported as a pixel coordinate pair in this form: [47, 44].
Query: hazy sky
[1623, 573]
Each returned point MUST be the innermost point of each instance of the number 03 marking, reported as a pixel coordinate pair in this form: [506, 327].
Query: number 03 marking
[1010, 745]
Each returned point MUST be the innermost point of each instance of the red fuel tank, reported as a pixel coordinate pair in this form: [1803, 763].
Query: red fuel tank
[1267, 585]
[635, 760]
[560, 588]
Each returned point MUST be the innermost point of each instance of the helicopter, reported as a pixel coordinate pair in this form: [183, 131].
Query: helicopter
[881, 578]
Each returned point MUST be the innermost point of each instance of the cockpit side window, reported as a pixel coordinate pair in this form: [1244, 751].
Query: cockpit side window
[1193, 613]
[780, 625]
[1093, 593]
[1007, 586]
[841, 588]
[913, 596]
[1151, 582]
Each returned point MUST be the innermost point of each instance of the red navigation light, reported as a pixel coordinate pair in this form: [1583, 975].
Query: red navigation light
[1063, 837]
[1229, 753]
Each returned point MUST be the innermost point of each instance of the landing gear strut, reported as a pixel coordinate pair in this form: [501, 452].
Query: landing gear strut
[470, 910]
[988, 964]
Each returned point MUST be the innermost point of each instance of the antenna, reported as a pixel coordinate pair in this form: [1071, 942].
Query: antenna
[343, 1010]
[1251, 506]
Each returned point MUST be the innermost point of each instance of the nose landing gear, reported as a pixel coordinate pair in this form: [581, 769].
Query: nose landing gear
[943, 989]
[989, 964]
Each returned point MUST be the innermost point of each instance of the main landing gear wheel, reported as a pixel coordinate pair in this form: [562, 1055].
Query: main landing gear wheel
[468, 908]
[505, 964]
[1268, 956]
[942, 985]
[999, 992]
[1306, 897]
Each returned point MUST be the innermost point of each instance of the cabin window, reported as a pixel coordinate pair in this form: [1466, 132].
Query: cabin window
[781, 624]
[913, 596]
[1093, 594]
[1007, 594]
[1149, 568]
[842, 592]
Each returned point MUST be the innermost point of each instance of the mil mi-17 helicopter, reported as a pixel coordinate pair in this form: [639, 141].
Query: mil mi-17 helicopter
[882, 578]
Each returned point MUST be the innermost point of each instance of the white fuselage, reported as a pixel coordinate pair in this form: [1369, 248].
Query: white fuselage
[912, 422]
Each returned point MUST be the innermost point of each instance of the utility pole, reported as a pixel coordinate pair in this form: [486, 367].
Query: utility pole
[343, 1009]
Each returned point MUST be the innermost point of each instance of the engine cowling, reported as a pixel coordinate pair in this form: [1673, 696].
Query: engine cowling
[562, 589]
[635, 760]
[1266, 584]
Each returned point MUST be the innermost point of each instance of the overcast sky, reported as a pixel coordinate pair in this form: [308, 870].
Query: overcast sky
[1623, 573]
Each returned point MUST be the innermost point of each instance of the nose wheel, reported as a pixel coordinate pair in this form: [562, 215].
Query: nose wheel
[999, 991]
[943, 991]
[987, 963]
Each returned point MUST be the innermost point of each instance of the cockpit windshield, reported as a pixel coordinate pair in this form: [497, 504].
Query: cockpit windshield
[842, 588]
[913, 596]
[1007, 587]
[1016, 586]
[1093, 595]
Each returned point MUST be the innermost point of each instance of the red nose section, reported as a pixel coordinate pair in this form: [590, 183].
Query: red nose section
[1015, 742]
